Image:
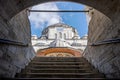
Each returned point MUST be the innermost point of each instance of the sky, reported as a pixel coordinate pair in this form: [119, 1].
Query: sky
[40, 20]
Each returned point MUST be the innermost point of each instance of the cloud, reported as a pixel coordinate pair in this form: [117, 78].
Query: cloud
[40, 19]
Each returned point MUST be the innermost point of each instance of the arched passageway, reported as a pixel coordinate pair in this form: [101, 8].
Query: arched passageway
[14, 25]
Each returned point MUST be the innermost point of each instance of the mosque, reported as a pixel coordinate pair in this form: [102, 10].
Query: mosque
[59, 40]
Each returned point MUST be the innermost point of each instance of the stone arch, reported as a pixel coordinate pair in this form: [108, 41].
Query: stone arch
[73, 52]
[110, 8]
[14, 7]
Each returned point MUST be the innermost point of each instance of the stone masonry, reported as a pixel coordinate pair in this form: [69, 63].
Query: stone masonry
[12, 57]
[14, 25]
[104, 57]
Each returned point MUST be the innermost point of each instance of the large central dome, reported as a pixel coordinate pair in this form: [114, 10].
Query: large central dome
[59, 31]
[60, 25]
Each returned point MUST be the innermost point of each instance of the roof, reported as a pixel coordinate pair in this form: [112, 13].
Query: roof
[59, 25]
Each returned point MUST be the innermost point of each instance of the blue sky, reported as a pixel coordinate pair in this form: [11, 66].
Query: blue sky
[41, 20]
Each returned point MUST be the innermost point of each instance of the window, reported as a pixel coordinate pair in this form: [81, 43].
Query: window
[60, 34]
[55, 35]
[64, 36]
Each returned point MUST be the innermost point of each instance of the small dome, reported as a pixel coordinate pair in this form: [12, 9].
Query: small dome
[34, 37]
[84, 37]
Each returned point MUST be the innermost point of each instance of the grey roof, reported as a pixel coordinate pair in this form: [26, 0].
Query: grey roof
[58, 25]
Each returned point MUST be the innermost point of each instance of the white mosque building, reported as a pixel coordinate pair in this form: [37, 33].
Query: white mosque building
[59, 35]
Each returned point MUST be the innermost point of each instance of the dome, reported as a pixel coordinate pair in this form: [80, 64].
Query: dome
[57, 25]
[84, 37]
[60, 25]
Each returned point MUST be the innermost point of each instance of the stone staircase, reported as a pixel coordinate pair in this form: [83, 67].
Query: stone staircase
[59, 68]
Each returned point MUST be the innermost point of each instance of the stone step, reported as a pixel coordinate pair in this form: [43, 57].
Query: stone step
[61, 70]
[88, 69]
[59, 66]
[58, 57]
[57, 60]
[52, 70]
[62, 75]
[58, 63]
[69, 59]
[55, 65]
[59, 78]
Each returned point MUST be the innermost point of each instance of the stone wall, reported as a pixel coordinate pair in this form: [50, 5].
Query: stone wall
[106, 57]
[12, 57]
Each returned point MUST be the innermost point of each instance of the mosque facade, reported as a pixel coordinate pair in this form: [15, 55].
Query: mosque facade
[59, 37]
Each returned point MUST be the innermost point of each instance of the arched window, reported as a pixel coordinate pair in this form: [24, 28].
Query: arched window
[55, 35]
[64, 36]
[60, 35]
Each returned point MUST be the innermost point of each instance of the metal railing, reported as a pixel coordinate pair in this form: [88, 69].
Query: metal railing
[12, 42]
[57, 10]
[110, 41]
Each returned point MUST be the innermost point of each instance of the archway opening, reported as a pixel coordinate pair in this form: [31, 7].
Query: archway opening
[77, 22]
[101, 28]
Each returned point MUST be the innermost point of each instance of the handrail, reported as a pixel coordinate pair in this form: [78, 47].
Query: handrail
[12, 42]
[110, 41]
[58, 10]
